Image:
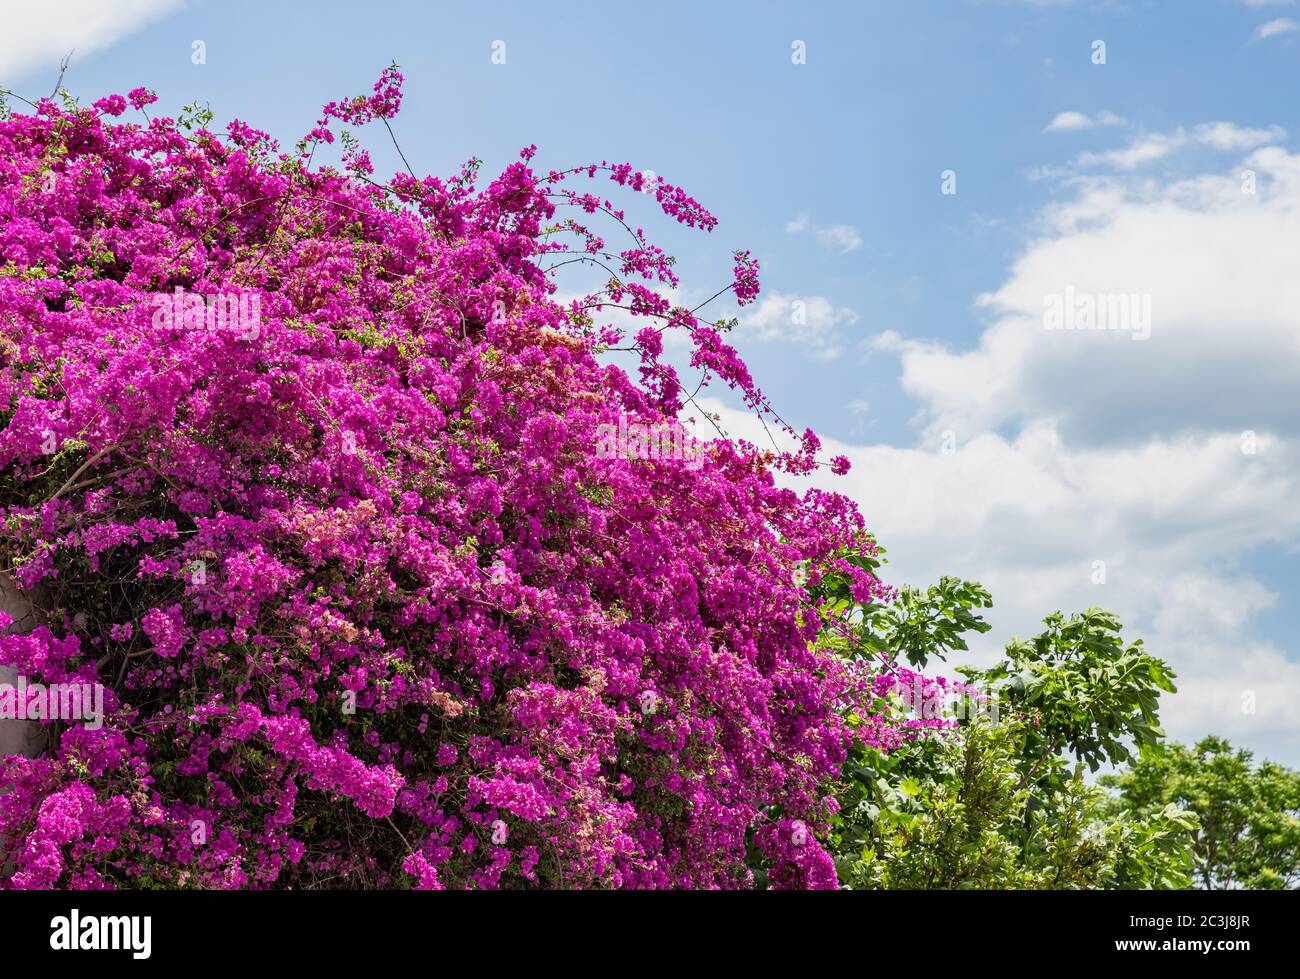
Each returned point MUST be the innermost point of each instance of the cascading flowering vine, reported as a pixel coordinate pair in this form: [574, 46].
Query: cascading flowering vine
[370, 607]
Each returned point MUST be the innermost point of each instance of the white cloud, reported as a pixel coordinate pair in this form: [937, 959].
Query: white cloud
[1029, 515]
[810, 321]
[1250, 693]
[1282, 25]
[1226, 136]
[1146, 148]
[1218, 266]
[1064, 121]
[1072, 121]
[842, 238]
[1073, 447]
[36, 37]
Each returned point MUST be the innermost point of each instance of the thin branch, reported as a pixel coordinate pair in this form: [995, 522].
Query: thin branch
[80, 469]
[63, 68]
[399, 149]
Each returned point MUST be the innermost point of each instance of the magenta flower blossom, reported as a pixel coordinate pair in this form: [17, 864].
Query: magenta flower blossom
[309, 462]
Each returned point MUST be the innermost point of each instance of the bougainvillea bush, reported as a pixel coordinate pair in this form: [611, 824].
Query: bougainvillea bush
[301, 465]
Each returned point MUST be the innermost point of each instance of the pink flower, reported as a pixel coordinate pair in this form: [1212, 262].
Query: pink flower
[112, 105]
[370, 589]
[140, 97]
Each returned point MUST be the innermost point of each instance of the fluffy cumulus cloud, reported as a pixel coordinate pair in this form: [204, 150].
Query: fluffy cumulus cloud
[1071, 467]
[1276, 27]
[37, 36]
[841, 238]
[1203, 268]
[1154, 532]
[1145, 149]
[1072, 120]
[811, 322]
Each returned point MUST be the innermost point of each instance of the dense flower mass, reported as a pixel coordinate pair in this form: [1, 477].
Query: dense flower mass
[303, 468]
[896, 705]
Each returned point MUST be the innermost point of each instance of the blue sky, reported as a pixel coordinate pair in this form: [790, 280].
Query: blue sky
[921, 324]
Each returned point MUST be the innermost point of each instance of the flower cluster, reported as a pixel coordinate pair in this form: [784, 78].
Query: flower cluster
[895, 705]
[370, 607]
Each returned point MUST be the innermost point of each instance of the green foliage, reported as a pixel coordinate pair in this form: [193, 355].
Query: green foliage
[1002, 800]
[941, 828]
[923, 624]
[917, 625]
[1249, 816]
[1092, 692]
[973, 825]
[195, 116]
